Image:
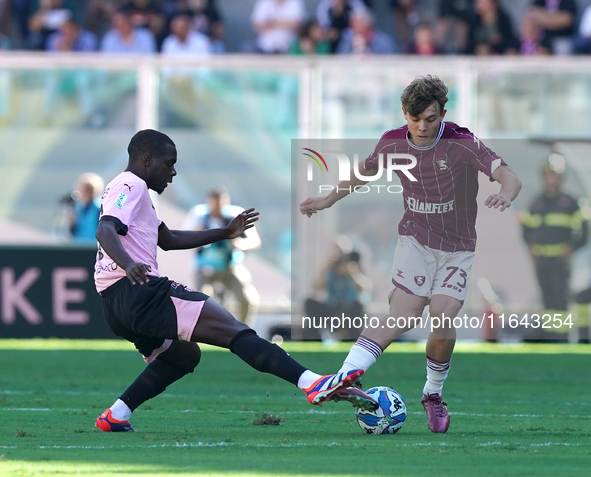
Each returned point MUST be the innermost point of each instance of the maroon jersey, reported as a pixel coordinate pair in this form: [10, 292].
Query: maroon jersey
[440, 207]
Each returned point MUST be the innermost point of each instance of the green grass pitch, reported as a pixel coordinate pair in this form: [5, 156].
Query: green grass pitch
[521, 410]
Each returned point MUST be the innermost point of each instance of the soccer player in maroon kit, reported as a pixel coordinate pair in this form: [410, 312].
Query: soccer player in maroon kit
[162, 318]
[437, 236]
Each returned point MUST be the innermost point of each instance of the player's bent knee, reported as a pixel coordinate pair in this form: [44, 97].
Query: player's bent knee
[192, 357]
[182, 354]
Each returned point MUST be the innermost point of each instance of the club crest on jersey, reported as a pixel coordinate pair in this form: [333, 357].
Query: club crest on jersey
[420, 280]
[120, 201]
[442, 165]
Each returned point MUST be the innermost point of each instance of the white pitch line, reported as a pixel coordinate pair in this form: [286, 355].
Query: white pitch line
[194, 444]
[300, 444]
[543, 444]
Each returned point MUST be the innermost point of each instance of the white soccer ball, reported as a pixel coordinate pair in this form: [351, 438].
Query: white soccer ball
[388, 418]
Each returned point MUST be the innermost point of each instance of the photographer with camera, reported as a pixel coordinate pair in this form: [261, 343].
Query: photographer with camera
[80, 209]
[342, 281]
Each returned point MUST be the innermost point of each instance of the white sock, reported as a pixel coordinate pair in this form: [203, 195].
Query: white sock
[307, 379]
[362, 355]
[436, 375]
[120, 411]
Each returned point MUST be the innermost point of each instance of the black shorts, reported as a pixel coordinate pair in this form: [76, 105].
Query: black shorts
[152, 315]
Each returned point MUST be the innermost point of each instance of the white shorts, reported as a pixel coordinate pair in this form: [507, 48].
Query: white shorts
[424, 271]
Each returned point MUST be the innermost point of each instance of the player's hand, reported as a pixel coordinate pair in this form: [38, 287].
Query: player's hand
[241, 223]
[138, 273]
[498, 201]
[312, 205]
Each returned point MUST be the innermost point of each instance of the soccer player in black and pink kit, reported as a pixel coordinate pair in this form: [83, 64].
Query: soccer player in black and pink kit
[437, 236]
[162, 318]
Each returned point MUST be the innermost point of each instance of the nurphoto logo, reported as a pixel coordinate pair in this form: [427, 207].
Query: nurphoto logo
[345, 166]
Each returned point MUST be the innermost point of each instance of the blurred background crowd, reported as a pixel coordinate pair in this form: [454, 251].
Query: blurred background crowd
[204, 27]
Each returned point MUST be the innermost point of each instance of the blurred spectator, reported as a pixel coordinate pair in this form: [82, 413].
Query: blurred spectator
[424, 41]
[363, 37]
[276, 23]
[221, 262]
[341, 283]
[147, 14]
[454, 25]
[205, 18]
[71, 37]
[310, 41]
[183, 41]
[406, 19]
[553, 229]
[20, 11]
[334, 17]
[5, 17]
[99, 13]
[50, 16]
[582, 42]
[122, 38]
[87, 206]
[533, 41]
[557, 18]
[183, 84]
[125, 38]
[491, 31]
[82, 209]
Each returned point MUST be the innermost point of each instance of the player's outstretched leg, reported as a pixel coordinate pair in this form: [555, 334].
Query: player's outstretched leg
[373, 341]
[326, 386]
[171, 365]
[356, 396]
[218, 327]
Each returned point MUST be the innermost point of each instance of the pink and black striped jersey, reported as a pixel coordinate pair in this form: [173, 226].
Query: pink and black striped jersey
[440, 207]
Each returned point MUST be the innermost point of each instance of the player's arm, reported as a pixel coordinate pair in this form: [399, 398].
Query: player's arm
[185, 239]
[510, 187]
[313, 204]
[579, 233]
[108, 238]
[361, 281]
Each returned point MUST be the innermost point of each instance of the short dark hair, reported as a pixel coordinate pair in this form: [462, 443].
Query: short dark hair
[148, 141]
[422, 93]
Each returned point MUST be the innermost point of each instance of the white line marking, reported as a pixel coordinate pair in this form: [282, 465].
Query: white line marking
[300, 444]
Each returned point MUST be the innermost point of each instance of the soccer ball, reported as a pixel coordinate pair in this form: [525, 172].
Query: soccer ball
[388, 418]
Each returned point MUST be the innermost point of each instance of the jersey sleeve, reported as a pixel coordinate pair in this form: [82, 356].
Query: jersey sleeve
[121, 204]
[371, 161]
[479, 156]
[486, 160]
